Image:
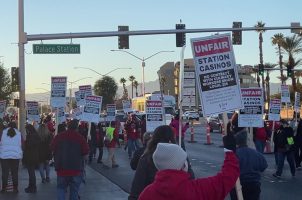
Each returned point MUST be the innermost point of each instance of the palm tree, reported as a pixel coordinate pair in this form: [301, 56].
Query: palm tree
[135, 85]
[260, 25]
[278, 39]
[125, 92]
[107, 88]
[255, 70]
[267, 79]
[292, 45]
[131, 79]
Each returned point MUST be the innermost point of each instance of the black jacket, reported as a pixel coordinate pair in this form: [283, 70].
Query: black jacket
[144, 175]
[280, 139]
[136, 156]
[31, 150]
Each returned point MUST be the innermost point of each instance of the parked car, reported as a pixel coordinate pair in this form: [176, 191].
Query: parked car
[190, 115]
[214, 123]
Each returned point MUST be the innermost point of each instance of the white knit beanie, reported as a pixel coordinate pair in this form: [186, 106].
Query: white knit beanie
[169, 156]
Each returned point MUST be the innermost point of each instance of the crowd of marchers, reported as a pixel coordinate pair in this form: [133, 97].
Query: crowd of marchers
[162, 167]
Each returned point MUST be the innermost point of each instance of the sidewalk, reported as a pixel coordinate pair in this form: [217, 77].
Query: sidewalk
[97, 187]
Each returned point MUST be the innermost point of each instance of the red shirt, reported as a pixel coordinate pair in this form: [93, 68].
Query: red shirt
[177, 185]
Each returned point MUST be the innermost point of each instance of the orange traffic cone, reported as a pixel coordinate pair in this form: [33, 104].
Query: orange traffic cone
[208, 136]
[192, 135]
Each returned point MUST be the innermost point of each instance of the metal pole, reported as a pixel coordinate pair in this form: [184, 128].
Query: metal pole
[70, 95]
[181, 69]
[22, 41]
[143, 85]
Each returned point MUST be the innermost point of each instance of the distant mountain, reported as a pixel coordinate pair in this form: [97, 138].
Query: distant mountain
[150, 86]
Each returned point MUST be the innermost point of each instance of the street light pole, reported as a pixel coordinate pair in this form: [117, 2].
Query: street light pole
[117, 68]
[143, 64]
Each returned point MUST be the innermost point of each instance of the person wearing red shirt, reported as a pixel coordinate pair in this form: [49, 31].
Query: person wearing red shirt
[172, 181]
[69, 149]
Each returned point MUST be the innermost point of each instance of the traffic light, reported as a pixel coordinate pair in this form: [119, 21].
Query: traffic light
[260, 69]
[237, 35]
[15, 79]
[289, 71]
[180, 37]
[123, 40]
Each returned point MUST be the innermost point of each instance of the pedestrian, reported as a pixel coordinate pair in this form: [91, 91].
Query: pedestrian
[298, 146]
[112, 135]
[260, 136]
[50, 124]
[69, 149]
[31, 156]
[175, 124]
[92, 141]
[143, 127]
[284, 143]
[146, 170]
[131, 127]
[45, 155]
[10, 155]
[139, 152]
[100, 141]
[173, 181]
[252, 164]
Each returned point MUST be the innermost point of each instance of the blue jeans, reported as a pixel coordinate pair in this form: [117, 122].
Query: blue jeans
[44, 166]
[260, 146]
[73, 182]
[290, 159]
[132, 146]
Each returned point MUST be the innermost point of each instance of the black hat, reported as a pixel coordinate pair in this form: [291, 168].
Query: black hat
[241, 138]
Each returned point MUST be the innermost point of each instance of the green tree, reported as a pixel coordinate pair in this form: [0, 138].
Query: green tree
[135, 85]
[292, 45]
[5, 84]
[107, 88]
[261, 25]
[278, 39]
[125, 92]
[131, 79]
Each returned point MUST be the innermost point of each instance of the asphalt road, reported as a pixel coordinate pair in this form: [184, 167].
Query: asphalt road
[206, 161]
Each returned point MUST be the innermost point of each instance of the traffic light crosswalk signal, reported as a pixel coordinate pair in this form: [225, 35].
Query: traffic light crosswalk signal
[180, 37]
[123, 40]
[15, 79]
[289, 71]
[260, 69]
[237, 35]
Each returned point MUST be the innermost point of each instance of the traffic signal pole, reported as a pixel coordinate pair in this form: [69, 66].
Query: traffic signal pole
[24, 38]
[22, 41]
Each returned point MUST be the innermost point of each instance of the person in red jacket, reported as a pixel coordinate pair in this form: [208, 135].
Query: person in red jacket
[172, 180]
[69, 149]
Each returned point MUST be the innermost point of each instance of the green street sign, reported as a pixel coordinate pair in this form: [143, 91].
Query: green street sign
[56, 49]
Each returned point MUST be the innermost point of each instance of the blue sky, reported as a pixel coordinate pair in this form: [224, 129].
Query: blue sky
[65, 16]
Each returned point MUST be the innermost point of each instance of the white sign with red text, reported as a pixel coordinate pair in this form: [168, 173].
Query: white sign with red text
[84, 91]
[58, 91]
[110, 111]
[92, 108]
[285, 97]
[32, 110]
[252, 113]
[216, 74]
[274, 110]
[154, 115]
